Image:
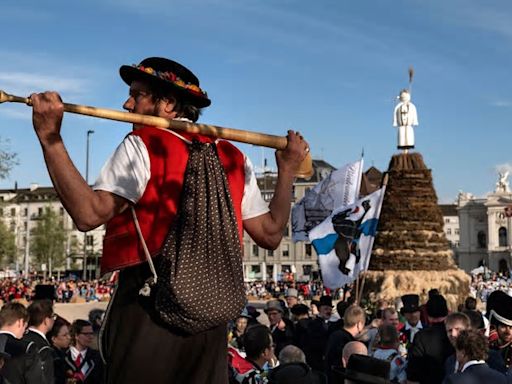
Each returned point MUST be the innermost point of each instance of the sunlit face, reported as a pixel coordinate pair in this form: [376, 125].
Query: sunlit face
[241, 324]
[391, 319]
[453, 329]
[274, 316]
[141, 101]
[504, 333]
[291, 301]
[63, 338]
[325, 312]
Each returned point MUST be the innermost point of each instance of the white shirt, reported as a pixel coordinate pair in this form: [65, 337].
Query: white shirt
[470, 363]
[127, 172]
[74, 354]
[414, 330]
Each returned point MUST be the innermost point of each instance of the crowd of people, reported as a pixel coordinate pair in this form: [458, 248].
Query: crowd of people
[39, 347]
[66, 290]
[401, 342]
[483, 284]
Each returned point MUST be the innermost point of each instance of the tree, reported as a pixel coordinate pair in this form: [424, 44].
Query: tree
[8, 159]
[48, 240]
[7, 245]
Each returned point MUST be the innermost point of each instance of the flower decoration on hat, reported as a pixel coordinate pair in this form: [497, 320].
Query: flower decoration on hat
[172, 78]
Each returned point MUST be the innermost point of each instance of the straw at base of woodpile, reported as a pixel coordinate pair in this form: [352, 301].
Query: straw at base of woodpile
[392, 284]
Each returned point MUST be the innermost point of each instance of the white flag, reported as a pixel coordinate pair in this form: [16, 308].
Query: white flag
[339, 189]
[344, 241]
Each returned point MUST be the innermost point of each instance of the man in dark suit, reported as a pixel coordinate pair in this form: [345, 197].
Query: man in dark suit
[41, 319]
[84, 363]
[412, 314]
[471, 350]
[317, 333]
[431, 346]
[13, 323]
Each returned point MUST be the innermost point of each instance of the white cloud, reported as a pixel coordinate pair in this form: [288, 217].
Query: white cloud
[502, 103]
[23, 83]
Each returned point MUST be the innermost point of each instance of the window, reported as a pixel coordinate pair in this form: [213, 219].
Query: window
[306, 270]
[25, 212]
[89, 240]
[482, 239]
[25, 225]
[286, 250]
[446, 220]
[457, 231]
[502, 236]
[448, 231]
[13, 211]
[286, 231]
[40, 211]
[255, 250]
[61, 211]
[270, 253]
[308, 250]
[1, 211]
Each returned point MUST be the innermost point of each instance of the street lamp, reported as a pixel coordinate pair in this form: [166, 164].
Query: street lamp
[89, 133]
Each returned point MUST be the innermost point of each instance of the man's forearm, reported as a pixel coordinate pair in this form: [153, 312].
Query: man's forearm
[76, 196]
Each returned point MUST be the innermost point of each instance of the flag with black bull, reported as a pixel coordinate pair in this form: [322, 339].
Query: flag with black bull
[344, 240]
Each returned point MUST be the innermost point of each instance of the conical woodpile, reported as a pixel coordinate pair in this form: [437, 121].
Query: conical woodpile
[410, 237]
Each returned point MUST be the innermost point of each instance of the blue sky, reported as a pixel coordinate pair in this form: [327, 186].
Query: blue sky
[329, 69]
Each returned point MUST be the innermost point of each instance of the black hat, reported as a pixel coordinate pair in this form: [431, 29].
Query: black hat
[252, 311]
[299, 309]
[325, 300]
[44, 292]
[436, 306]
[291, 373]
[499, 308]
[168, 75]
[367, 369]
[411, 303]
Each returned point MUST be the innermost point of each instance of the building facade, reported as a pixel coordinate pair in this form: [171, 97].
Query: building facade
[21, 209]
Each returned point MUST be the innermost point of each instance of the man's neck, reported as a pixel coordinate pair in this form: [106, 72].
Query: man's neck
[352, 330]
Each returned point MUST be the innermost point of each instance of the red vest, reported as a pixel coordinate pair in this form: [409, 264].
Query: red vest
[159, 204]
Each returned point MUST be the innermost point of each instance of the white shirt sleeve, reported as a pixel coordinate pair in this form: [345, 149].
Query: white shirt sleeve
[253, 204]
[127, 171]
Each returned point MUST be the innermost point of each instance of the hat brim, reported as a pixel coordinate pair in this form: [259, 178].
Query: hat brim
[130, 74]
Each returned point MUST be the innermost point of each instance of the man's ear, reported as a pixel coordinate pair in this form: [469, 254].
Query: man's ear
[167, 105]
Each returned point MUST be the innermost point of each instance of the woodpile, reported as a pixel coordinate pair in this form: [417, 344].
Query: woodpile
[411, 253]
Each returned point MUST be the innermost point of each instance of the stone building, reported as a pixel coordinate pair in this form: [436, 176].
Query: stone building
[485, 232]
[20, 210]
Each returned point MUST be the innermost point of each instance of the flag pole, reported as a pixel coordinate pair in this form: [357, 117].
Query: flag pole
[359, 294]
[359, 181]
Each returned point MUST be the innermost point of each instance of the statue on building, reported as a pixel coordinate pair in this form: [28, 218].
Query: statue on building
[405, 118]
[502, 183]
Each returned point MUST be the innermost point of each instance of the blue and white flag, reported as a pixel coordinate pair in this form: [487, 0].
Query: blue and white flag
[344, 240]
[338, 188]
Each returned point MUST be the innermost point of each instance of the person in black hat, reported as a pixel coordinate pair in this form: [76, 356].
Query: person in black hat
[317, 333]
[499, 312]
[146, 173]
[412, 314]
[431, 346]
